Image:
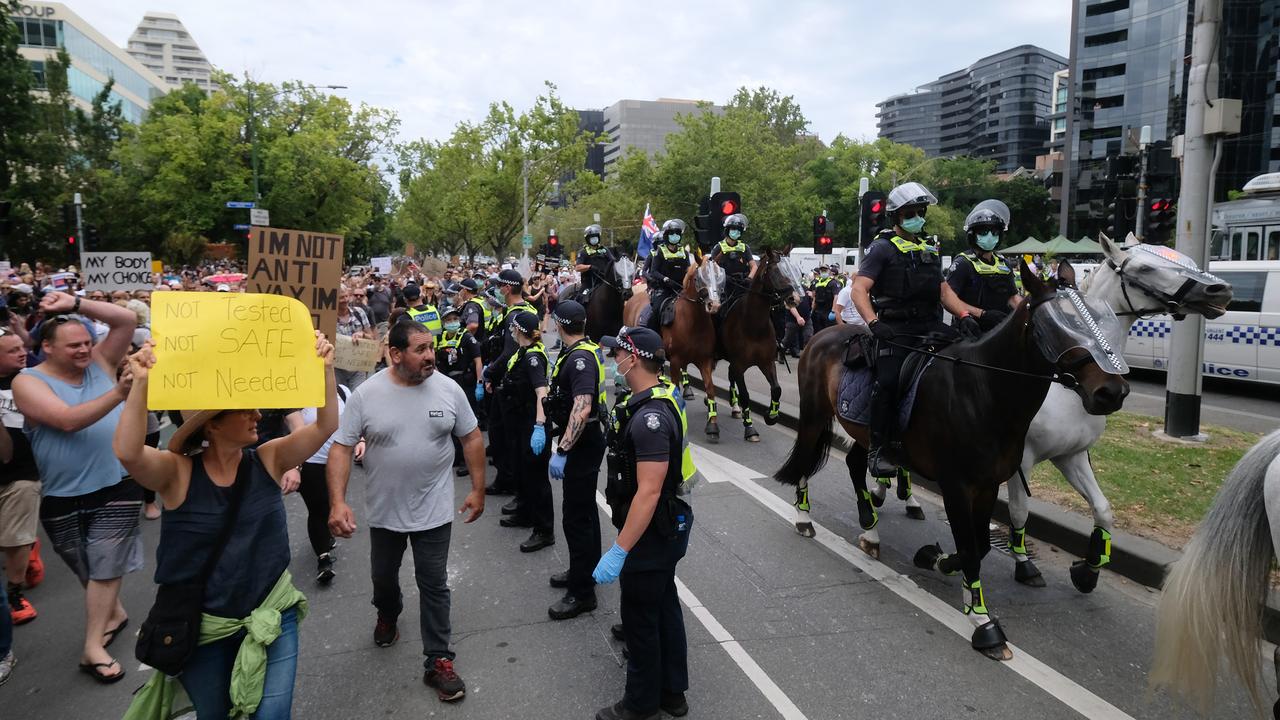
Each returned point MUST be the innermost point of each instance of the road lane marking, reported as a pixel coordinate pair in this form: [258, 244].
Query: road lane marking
[1066, 690]
[756, 674]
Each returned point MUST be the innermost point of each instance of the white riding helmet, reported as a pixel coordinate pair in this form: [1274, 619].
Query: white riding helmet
[906, 194]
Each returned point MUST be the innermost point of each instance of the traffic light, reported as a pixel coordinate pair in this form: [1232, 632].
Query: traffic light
[873, 216]
[705, 235]
[91, 239]
[1161, 216]
[722, 205]
[68, 215]
[1120, 217]
[73, 256]
[823, 231]
[553, 249]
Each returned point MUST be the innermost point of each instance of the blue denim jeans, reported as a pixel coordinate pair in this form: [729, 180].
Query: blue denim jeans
[207, 676]
[6, 624]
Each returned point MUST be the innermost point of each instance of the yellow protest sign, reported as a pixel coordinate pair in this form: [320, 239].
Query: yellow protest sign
[231, 351]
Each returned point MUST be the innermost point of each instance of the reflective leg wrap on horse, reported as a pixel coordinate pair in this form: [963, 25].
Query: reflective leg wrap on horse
[775, 394]
[1084, 573]
[802, 497]
[1024, 569]
[867, 515]
[880, 491]
[804, 525]
[711, 409]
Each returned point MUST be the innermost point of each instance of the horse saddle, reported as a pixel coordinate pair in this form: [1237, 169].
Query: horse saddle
[668, 311]
[853, 397]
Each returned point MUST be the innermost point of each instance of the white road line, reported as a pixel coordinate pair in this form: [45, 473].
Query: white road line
[756, 674]
[1066, 690]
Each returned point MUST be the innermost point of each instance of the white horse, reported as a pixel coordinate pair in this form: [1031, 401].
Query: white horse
[1211, 609]
[1136, 281]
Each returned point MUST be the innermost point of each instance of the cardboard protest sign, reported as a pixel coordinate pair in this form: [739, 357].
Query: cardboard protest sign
[117, 271]
[300, 264]
[381, 265]
[230, 351]
[356, 357]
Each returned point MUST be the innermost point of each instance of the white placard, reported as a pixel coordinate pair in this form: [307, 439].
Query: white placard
[117, 271]
[258, 216]
[381, 265]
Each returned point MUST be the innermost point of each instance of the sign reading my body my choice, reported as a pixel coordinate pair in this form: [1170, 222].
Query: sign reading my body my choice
[299, 264]
[117, 271]
[228, 351]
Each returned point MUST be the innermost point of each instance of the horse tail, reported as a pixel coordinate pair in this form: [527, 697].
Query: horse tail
[814, 435]
[1213, 600]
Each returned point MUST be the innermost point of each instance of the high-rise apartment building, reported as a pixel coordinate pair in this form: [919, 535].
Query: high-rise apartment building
[644, 124]
[162, 44]
[995, 109]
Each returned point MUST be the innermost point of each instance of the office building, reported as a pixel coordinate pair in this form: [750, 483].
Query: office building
[644, 124]
[163, 45]
[592, 121]
[995, 109]
[1131, 65]
[44, 27]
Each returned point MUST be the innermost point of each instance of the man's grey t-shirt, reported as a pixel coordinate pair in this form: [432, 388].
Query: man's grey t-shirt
[408, 450]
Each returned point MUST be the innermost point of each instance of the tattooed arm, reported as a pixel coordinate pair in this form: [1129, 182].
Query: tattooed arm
[578, 417]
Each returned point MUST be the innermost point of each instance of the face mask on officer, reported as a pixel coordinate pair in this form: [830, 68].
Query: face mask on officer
[594, 239]
[824, 273]
[452, 326]
[673, 239]
[913, 225]
[988, 241]
[622, 374]
[734, 234]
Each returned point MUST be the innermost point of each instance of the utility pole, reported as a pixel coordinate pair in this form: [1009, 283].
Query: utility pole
[1139, 222]
[864, 184]
[79, 228]
[1186, 352]
[1064, 209]
[524, 255]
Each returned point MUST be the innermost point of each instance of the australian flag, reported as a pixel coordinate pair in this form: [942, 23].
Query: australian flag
[648, 228]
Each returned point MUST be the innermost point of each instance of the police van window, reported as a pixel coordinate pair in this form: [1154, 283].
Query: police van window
[1221, 246]
[1253, 241]
[1273, 243]
[1246, 290]
[1237, 245]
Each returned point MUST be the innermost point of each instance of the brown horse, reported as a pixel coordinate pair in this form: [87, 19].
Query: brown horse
[963, 433]
[746, 336]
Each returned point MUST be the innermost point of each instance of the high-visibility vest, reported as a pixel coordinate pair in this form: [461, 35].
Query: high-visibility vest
[428, 315]
[598, 354]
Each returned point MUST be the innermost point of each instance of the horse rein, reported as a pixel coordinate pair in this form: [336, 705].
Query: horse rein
[1171, 302]
[1065, 379]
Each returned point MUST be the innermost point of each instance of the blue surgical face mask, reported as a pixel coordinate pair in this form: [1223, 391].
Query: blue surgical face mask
[988, 241]
[594, 240]
[735, 234]
[673, 239]
[452, 326]
[913, 225]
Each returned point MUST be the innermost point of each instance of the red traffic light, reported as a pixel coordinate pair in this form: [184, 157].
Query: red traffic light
[71, 240]
[825, 240]
[728, 207]
[553, 240]
[877, 206]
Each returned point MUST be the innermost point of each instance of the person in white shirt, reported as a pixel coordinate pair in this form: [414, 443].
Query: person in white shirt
[845, 312]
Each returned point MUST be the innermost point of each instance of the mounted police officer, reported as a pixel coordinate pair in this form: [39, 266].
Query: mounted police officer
[649, 463]
[734, 255]
[524, 385]
[422, 311]
[594, 260]
[982, 280]
[498, 349]
[668, 264]
[900, 292]
[574, 408]
[825, 289]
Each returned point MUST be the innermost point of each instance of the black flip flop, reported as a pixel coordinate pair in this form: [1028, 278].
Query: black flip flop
[110, 635]
[91, 669]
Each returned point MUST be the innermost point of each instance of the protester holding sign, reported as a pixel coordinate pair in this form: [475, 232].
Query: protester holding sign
[211, 479]
[352, 323]
[89, 511]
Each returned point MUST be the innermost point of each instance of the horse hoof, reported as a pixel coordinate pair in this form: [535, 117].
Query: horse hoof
[927, 557]
[713, 437]
[1083, 577]
[805, 529]
[1028, 574]
[915, 512]
[750, 434]
[870, 548]
[990, 640]
[770, 420]
[735, 412]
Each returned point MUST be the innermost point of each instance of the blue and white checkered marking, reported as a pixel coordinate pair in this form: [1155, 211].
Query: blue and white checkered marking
[1150, 328]
[1236, 334]
[1252, 335]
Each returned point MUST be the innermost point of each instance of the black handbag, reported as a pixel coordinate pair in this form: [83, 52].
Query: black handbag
[171, 632]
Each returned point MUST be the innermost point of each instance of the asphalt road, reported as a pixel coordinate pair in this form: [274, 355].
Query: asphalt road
[779, 625]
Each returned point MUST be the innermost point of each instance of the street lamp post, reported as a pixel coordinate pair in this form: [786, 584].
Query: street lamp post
[253, 124]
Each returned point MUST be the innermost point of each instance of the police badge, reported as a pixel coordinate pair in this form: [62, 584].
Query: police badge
[652, 421]
[580, 364]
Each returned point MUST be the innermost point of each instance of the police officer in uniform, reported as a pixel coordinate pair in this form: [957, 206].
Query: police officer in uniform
[474, 313]
[825, 289]
[498, 349]
[735, 256]
[574, 407]
[421, 311]
[524, 385]
[649, 462]
[593, 263]
[982, 280]
[458, 357]
[900, 293]
[665, 272]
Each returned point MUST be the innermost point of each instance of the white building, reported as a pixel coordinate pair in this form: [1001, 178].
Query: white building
[643, 124]
[162, 44]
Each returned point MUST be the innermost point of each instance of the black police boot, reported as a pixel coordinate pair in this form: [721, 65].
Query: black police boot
[674, 704]
[560, 580]
[538, 540]
[618, 711]
[881, 420]
[511, 508]
[877, 464]
[571, 606]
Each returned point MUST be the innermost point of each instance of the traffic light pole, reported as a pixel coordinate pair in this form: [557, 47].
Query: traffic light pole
[1139, 221]
[1186, 352]
[79, 230]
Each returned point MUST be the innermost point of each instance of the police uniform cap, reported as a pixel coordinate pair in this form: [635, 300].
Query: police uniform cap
[510, 277]
[640, 341]
[470, 284]
[451, 310]
[411, 292]
[570, 311]
[526, 321]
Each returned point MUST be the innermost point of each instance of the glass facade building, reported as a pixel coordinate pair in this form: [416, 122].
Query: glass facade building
[996, 109]
[45, 27]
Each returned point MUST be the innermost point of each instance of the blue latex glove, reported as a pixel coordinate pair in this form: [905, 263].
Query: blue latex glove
[556, 468]
[538, 441]
[831, 316]
[610, 566]
[479, 392]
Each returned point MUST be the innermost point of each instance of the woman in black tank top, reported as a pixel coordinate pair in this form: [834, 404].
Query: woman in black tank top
[209, 454]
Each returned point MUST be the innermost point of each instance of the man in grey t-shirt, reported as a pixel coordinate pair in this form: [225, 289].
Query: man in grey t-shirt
[407, 416]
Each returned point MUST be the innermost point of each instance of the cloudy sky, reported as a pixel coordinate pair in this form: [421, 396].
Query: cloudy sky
[436, 63]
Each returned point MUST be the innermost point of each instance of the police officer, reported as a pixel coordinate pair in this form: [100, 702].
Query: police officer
[458, 357]
[473, 312]
[665, 272]
[594, 260]
[574, 407]
[735, 256]
[648, 465]
[498, 349]
[422, 311]
[825, 289]
[524, 385]
[982, 280]
[900, 292]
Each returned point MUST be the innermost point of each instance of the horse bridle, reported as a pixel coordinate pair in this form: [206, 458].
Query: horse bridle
[1172, 303]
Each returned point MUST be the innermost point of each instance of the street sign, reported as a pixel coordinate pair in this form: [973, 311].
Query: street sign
[239, 205]
[259, 216]
[240, 227]
[526, 241]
